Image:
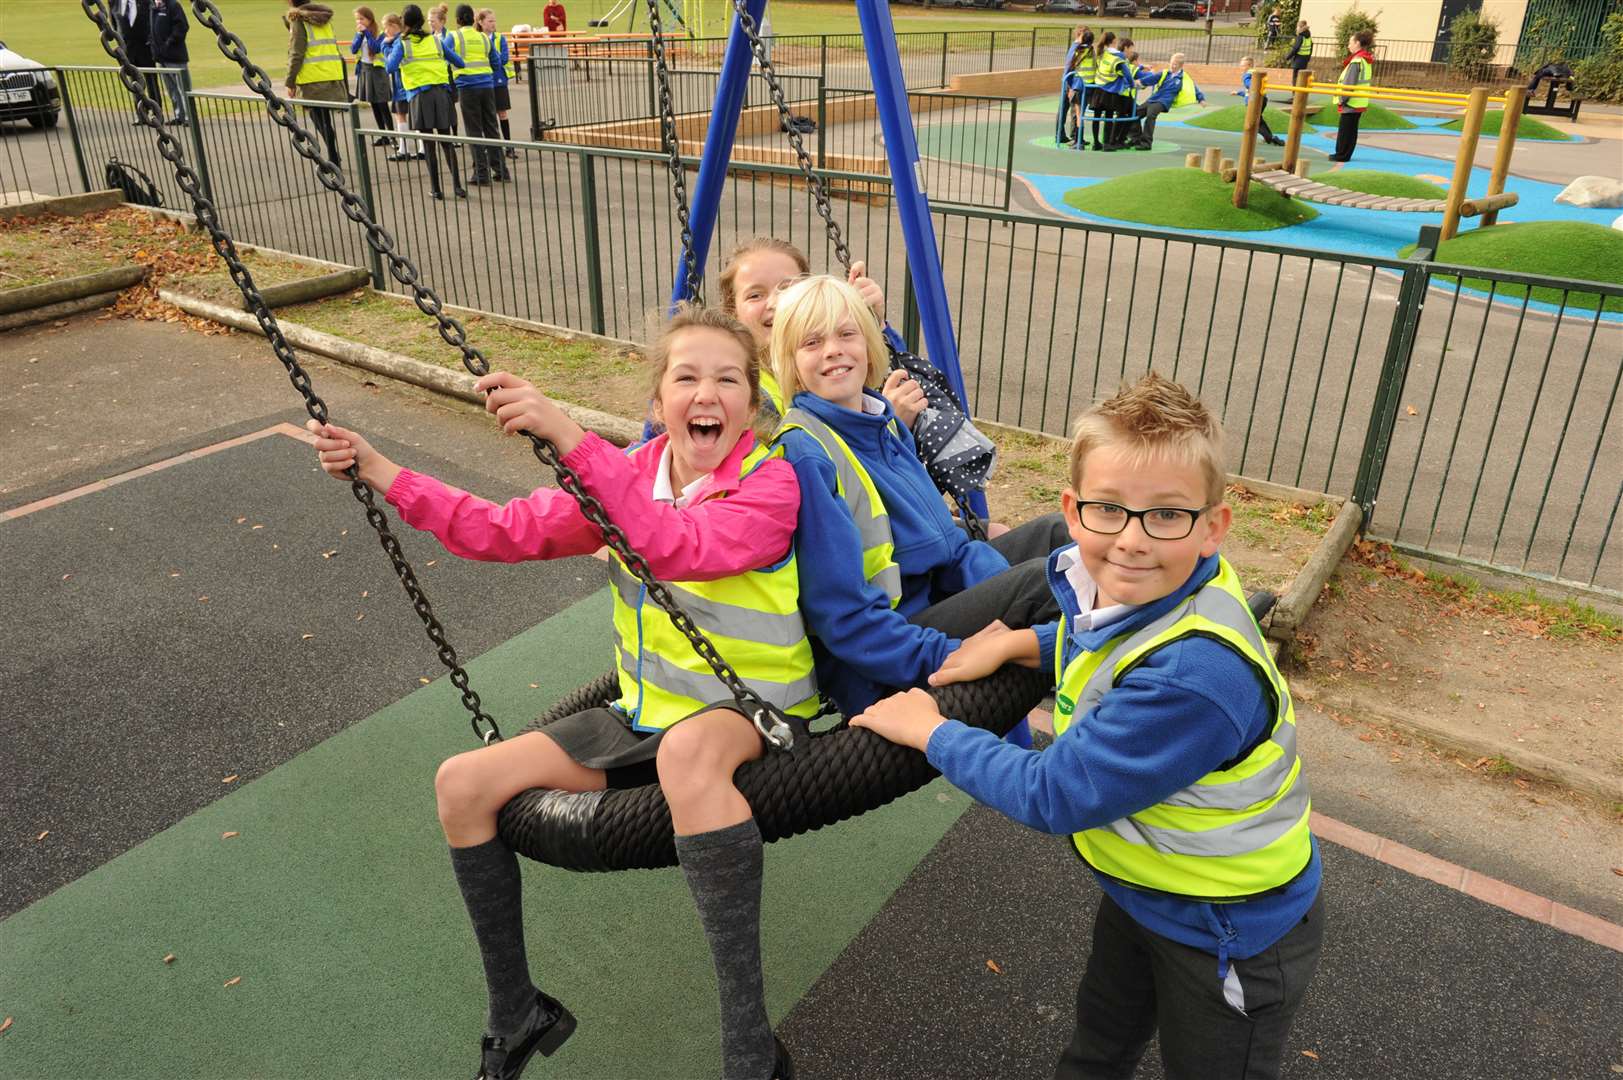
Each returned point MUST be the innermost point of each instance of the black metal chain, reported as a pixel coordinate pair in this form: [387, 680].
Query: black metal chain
[767, 718]
[150, 113]
[819, 189]
[673, 150]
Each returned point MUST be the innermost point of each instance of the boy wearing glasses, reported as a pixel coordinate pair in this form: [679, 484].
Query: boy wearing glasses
[1173, 765]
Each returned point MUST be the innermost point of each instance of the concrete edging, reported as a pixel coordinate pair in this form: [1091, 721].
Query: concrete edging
[61, 310]
[457, 384]
[305, 290]
[1297, 600]
[66, 205]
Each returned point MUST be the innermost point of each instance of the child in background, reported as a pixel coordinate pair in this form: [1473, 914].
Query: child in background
[372, 83]
[438, 17]
[1264, 132]
[890, 584]
[475, 91]
[1074, 87]
[405, 149]
[1103, 63]
[1137, 76]
[714, 515]
[506, 72]
[1174, 762]
[422, 60]
[1170, 89]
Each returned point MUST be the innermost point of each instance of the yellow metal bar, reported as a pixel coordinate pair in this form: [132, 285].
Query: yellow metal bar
[1508, 123]
[1386, 93]
[1470, 131]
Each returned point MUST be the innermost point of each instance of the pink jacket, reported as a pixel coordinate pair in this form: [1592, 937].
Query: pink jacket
[712, 538]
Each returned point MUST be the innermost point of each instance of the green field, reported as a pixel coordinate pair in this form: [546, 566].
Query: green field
[1568, 249]
[1376, 182]
[1188, 199]
[1527, 128]
[56, 31]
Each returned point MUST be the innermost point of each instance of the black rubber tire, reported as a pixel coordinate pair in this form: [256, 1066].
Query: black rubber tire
[837, 775]
[42, 120]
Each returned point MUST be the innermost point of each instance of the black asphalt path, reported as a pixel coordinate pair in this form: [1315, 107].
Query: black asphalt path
[1416, 981]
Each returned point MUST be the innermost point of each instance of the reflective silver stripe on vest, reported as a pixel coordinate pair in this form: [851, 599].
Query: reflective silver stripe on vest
[873, 529]
[1218, 606]
[707, 688]
[1248, 834]
[889, 579]
[718, 616]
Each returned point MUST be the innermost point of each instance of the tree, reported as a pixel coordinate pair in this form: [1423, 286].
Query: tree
[1600, 77]
[1351, 21]
[1473, 41]
[1289, 12]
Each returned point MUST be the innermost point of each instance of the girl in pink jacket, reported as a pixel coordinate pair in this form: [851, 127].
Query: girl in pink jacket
[713, 516]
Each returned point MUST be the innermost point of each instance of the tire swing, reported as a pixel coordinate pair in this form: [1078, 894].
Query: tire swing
[819, 779]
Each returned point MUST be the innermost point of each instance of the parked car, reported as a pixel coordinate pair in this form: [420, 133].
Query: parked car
[1069, 7]
[27, 91]
[1177, 9]
[998, 4]
[1124, 9]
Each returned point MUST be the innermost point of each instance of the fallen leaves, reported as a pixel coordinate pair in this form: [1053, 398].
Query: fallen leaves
[1309, 1053]
[992, 965]
[5, 1025]
[234, 980]
[229, 835]
[42, 836]
[230, 779]
[169, 958]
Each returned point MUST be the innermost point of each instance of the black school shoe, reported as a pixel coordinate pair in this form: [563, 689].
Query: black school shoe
[548, 1027]
[784, 1067]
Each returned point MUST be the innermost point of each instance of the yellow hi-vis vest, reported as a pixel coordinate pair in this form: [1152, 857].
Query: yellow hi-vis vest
[771, 392]
[1358, 72]
[1305, 48]
[753, 619]
[423, 63]
[1087, 64]
[1186, 90]
[1108, 69]
[474, 48]
[1239, 830]
[510, 69]
[322, 60]
[856, 487]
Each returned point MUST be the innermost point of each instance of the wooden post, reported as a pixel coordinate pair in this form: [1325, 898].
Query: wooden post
[1213, 161]
[1515, 101]
[1248, 137]
[1191, 161]
[1293, 140]
[1470, 132]
[1301, 168]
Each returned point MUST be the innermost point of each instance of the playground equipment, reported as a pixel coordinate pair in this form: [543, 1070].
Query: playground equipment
[1289, 179]
[832, 775]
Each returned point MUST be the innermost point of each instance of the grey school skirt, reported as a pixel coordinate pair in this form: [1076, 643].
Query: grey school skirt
[431, 109]
[372, 84]
[603, 738]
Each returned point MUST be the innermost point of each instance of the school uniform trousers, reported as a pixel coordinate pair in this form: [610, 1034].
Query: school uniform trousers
[1020, 596]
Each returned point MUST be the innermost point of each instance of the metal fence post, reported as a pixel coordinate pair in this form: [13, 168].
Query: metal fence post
[535, 96]
[1208, 40]
[1394, 372]
[73, 128]
[991, 52]
[1033, 61]
[943, 81]
[363, 177]
[822, 59]
[1008, 157]
[594, 255]
[822, 123]
[194, 123]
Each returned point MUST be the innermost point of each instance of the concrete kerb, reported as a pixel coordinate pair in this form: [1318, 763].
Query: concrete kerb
[25, 299]
[66, 205]
[457, 384]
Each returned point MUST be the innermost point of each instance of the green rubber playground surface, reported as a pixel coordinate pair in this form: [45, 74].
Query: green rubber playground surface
[1528, 127]
[327, 938]
[1190, 199]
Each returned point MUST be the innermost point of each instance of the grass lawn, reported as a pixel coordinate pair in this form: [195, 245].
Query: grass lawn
[1376, 118]
[57, 32]
[1232, 118]
[1528, 127]
[1569, 249]
[1188, 199]
[1375, 182]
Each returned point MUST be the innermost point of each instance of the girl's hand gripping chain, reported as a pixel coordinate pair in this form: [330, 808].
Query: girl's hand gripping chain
[519, 406]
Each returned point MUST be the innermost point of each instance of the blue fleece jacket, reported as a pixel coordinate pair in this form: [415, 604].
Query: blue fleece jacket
[1187, 709]
[1166, 93]
[861, 645]
[499, 58]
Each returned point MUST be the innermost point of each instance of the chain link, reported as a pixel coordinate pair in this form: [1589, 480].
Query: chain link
[819, 188]
[673, 149]
[148, 111]
[768, 719]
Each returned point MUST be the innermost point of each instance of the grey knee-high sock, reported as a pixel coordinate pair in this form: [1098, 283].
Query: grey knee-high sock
[489, 879]
[723, 869]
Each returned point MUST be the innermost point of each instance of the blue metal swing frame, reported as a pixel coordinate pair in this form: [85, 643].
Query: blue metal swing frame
[907, 179]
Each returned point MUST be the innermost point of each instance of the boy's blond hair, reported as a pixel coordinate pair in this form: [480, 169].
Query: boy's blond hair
[1153, 419]
[819, 304]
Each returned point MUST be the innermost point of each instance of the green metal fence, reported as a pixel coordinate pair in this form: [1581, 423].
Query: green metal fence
[1472, 412]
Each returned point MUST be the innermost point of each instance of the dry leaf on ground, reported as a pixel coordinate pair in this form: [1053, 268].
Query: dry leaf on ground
[234, 980]
[995, 969]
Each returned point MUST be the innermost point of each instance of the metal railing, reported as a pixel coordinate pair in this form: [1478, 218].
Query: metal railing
[32, 108]
[1475, 419]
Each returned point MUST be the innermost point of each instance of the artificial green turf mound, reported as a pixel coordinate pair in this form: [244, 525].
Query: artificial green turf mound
[1187, 199]
[1527, 128]
[1376, 118]
[1375, 182]
[1232, 118]
[1569, 249]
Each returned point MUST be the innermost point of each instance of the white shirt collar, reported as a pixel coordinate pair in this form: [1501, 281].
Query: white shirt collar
[1069, 563]
[873, 406]
[662, 481]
